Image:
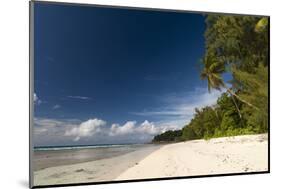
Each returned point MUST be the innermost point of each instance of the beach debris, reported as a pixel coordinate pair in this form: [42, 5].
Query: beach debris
[79, 170]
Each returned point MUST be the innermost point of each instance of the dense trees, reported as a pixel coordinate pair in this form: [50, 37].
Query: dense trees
[168, 136]
[237, 45]
[240, 44]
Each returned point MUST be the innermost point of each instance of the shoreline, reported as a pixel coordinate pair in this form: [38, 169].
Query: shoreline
[52, 158]
[92, 171]
[245, 153]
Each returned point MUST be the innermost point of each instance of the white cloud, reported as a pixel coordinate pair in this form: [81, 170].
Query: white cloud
[36, 100]
[50, 131]
[45, 122]
[35, 97]
[178, 109]
[148, 127]
[39, 131]
[145, 128]
[86, 129]
[95, 131]
[80, 97]
[57, 106]
[127, 128]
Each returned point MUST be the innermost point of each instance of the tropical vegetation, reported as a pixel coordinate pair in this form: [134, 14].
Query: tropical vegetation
[238, 46]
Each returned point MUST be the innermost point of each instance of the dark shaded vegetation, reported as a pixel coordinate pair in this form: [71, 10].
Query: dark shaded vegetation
[168, 136]
[237, 45]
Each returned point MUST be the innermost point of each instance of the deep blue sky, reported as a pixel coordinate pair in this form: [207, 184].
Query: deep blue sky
[114, 64]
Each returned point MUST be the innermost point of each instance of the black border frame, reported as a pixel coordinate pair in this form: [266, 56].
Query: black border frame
[31, 88]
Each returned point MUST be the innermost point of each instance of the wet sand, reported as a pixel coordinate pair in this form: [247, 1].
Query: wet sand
[102, 168]
[52, 158]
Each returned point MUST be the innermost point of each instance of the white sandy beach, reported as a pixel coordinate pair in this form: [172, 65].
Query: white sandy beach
[247, 153]
[200, 157]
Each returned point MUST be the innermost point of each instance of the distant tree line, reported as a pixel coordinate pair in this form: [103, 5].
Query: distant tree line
[237, 45]
[168, 136]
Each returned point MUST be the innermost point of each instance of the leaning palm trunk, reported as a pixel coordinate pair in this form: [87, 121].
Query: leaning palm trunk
[242, 100]
[237, 108]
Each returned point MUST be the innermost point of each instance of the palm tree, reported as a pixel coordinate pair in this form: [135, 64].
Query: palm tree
[261, 25]
[212, 72]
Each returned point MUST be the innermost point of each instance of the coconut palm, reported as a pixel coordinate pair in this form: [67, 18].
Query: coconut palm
[261, 25]
[212, 71]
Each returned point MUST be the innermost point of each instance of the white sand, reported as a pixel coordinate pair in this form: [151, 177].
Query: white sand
[199, 157]
[247, 153]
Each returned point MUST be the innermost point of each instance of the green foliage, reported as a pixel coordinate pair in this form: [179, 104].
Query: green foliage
[168, 136]
[237, 45]
[229, 117]
[233, 40]
[261, 26]
[234, 132]
[254, 88]
[188, 133]
[240, 43]
[212, 71]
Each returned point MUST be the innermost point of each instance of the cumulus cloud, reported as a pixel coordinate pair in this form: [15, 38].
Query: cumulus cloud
[86, 129]
[127, 128]
[144, 128]
[148, 127]
[95, 131]
[175, 112]
[36, 100]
